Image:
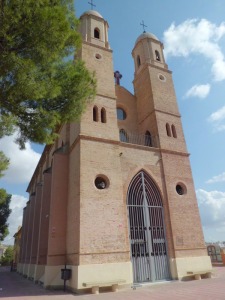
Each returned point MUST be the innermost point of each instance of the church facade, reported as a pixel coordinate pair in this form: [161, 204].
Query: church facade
[113, 199]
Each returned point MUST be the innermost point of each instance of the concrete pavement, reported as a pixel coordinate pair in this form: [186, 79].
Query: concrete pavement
[14, 286]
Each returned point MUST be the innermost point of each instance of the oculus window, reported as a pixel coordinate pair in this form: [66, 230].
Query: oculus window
[101, 183]
[181, 189]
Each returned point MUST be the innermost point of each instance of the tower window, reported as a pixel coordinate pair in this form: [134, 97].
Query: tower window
[97, 33]
[157, 55]
[121, 114]
[95, 114]
[103, 115]
[168, 131]
[174, 131]
[138, 61]
[148, 139]
[123, 136]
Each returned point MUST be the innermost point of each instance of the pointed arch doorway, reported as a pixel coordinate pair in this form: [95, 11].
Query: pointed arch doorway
[147, 233]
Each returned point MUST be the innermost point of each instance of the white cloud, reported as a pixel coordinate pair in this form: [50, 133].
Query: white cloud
[200, 91]
[218, 178]
[197, 37]
[22, 162]
[212, 209]
[217, 116]
[217, 119]
[218, 70]
[15, 219]
[220, 127]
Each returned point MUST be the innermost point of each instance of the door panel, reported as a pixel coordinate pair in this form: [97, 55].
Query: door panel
[147, 236]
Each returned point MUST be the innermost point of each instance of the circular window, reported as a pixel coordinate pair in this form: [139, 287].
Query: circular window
[181, 189]
[162, 77]
[101, 183]
[121, 114]
[98, 56]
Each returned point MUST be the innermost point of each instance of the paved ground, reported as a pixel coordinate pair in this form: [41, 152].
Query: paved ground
[14, 286]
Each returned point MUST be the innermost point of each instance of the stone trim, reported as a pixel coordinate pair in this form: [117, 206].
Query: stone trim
[96, 46]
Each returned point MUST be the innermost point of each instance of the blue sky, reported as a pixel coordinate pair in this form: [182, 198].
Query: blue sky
[193, 33]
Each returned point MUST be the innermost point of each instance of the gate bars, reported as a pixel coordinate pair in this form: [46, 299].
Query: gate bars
[147, 233]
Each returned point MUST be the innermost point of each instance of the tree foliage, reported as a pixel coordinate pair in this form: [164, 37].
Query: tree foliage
[41, 86]
[4, 213]
[8, 256]
[4, 162]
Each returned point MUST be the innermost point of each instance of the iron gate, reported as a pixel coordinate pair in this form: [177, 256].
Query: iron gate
[147, 236]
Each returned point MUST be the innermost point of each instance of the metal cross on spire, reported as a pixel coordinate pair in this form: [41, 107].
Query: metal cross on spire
[92, 4]
[143, 24]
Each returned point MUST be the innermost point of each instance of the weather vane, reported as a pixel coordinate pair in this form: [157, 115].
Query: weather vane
[92, 4]
[143, 24]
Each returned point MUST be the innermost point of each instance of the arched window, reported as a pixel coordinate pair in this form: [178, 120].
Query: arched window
[168, 131]
[123, 136]
[148, 139]
[97, 33]
[121, 114]
[95, 114]
[103, 115]
[138, 61]
[174, 131]
[157, 55]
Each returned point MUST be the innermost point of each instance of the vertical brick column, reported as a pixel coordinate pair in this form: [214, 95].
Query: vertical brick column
[36, 224]
[58, 208]
[30, 231]
[23, 244]
[26, 238]
[44, 220]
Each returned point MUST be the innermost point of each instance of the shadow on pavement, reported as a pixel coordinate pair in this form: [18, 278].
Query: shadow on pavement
[15, 285]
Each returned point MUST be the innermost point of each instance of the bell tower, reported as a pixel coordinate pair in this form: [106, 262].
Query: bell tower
[97, 234]
[148, 49]
[96, 52]
[94, 29]
[157, 111]
[97, 55]
[154, 89]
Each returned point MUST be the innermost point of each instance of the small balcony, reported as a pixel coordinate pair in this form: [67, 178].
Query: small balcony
[138, 139]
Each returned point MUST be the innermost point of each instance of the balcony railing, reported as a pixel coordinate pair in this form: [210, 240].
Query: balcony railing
[138, 139]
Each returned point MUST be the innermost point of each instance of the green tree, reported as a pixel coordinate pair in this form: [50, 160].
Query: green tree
[4, 162]
[41, 85]
[6, 128]
[8, 256]
[4, 213]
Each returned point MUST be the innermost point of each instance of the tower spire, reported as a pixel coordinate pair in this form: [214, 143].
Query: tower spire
[92, 4]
